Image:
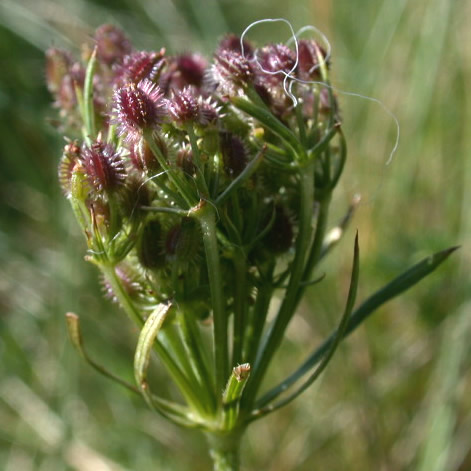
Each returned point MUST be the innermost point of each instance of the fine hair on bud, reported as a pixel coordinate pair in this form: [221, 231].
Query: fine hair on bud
[234, 153]
[137, 107]
[112, 44]
[140, 65]
[149, 247]
[104, 167]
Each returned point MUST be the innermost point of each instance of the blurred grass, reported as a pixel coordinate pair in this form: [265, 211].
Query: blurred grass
[397, 394]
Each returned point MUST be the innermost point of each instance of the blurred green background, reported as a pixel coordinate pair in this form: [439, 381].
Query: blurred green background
[398, 394]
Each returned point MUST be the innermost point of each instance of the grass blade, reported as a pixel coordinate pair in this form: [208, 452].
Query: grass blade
[397, 286]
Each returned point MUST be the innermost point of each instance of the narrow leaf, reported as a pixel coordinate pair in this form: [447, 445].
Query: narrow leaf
[174, 412]
[352, 293]
[241, 178]
[271, 122]
[399, 285]
[88, 106]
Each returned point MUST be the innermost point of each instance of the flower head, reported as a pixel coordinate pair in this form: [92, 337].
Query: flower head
[231, 42]
[231, 71]
[70, 158]
[112, 44]
[234, 153]
[140, 65]
[137, 107]
[275, 61]
[183, 106]
[103, 166]
[183, 71]
[309, 64]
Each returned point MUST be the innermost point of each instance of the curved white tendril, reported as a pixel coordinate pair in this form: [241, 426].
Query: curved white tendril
[280, 71]
[291, 79]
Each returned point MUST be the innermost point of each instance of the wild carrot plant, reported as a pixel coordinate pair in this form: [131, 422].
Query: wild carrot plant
[203, 190]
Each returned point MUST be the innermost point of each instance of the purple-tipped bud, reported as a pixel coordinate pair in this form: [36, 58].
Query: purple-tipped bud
[209, 111]
[191, 68]
[234, 154]
[275, 61]
[65, 95]
[139, 66]
[309, 64]
[183, 240]
[280, 237]
[184, 160]
[149, 250]
[135, 195]
[70, 157]
[58, 63]
[231, 42]
[112, 44]
[128, 281]
[231, 71]
[325, 105]
[137, 107]
[183, 106]
[103, 167]
[143, 158]
[183, 71]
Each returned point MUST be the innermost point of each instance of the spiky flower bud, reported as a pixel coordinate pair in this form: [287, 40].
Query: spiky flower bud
[142, 157]
[231, 42]
[58, 63]
[135, 195]
[140, 65]
[275, 61]
[183, 106]
[137, 107]
[104, 167]
[280, 237]
[129, 281]
[231, 71]
[183, 241]
[234, 153]
[70, 158]
[149, 250]
[112, 44]
[184, 160]
[183, 71]
[310, 51]
[208, 111]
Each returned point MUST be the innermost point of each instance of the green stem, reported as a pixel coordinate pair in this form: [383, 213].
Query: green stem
[171, 173]
[240, 305]
[288, 306]
[258, 315]
[193, 348]
[206, 217]
[200, 181]
[176, 373]
[225, 451]
[316, 249]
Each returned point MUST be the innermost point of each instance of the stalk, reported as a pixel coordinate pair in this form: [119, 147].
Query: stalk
[288, 306]
[224, 450]
[174, 370]
[206, 217]
[240, 305]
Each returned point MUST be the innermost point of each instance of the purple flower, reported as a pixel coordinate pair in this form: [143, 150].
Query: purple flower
[137, 107]
[103, 167]
[231, 71]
